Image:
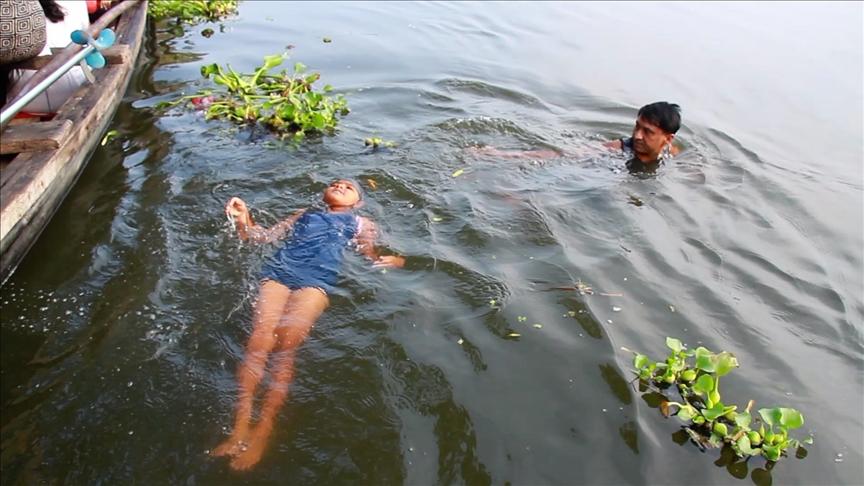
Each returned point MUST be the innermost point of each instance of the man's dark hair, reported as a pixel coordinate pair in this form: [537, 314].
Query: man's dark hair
[663, 114]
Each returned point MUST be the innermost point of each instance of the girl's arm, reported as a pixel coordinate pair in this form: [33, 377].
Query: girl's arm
[366, 239]
[248, 230]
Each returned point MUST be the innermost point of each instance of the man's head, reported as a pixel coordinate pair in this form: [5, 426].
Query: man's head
[342, 194]
[656, 125]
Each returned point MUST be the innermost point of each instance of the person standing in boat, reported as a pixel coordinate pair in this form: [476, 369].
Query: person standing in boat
[650, 143]
[295, 283]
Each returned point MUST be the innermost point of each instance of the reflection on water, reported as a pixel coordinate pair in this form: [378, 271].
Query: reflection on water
[486, 360]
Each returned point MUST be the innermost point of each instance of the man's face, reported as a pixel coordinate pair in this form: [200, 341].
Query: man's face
[649, 140]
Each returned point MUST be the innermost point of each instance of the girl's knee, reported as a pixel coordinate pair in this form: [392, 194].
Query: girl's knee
[292, 332]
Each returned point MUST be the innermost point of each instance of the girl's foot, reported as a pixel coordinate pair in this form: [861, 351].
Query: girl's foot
[231, 447]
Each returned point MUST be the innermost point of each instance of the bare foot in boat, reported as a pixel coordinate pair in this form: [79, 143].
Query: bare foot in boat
[231, 447]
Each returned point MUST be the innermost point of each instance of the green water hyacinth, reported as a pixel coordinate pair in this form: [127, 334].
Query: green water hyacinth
[191, 10]
[695, 375]
[287, 104]
[376, 142]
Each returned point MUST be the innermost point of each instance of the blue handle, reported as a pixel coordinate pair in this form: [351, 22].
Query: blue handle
[106, 39]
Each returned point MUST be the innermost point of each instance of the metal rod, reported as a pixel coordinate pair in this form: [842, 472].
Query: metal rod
[21, 102]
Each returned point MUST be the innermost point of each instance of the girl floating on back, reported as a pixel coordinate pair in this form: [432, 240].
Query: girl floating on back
[294, 291]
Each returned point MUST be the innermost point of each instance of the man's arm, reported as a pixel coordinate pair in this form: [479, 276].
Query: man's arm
[614, 144]
[366, 239]
[516, 154]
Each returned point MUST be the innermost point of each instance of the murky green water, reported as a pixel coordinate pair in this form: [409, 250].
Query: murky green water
[122, 329]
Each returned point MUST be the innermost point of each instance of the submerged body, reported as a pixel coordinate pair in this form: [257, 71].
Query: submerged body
[313, 254]
[650, 143]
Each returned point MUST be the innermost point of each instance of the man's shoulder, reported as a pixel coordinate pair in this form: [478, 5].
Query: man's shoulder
[623, 143]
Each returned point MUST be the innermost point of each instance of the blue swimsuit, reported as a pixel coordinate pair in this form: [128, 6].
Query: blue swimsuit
[312, 255]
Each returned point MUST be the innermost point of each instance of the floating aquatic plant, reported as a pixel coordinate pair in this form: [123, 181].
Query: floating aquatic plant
[376, 142]
[696, 375]
[285, 103]
[191, 10]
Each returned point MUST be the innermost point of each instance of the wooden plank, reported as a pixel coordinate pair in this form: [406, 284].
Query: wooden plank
[35, 136]
[118, 54]
[23, 121]
[12, 167]
[130, 28]
[5, 160]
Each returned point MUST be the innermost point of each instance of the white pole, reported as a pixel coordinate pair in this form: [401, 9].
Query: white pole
[13, 109]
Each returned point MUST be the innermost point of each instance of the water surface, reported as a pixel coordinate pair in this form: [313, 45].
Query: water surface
[123, 327]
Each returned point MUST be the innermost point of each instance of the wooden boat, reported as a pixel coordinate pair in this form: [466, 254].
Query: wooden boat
[42, 160]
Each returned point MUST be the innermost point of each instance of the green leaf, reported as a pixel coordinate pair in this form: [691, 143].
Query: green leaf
[724, 363]
[772, 453]
[677, 365]
[272, 61]
[704, 360]
[318, 121]
[744, 445]
[743, 419]
[108, 136]
[771, 416]
[640, 361]
[712, 413]
[704, 384]
[220, 79]
[299, 67]
[791, 418]
[686, 413]
[674, 344]
[209, 69]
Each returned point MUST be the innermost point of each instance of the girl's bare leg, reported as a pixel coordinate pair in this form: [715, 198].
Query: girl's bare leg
[268, 310]
[303, 309]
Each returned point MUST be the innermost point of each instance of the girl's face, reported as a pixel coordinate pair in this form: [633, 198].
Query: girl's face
[341, 193]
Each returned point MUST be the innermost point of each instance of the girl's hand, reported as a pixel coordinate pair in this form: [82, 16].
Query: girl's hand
[389, 261]
[237, 209]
